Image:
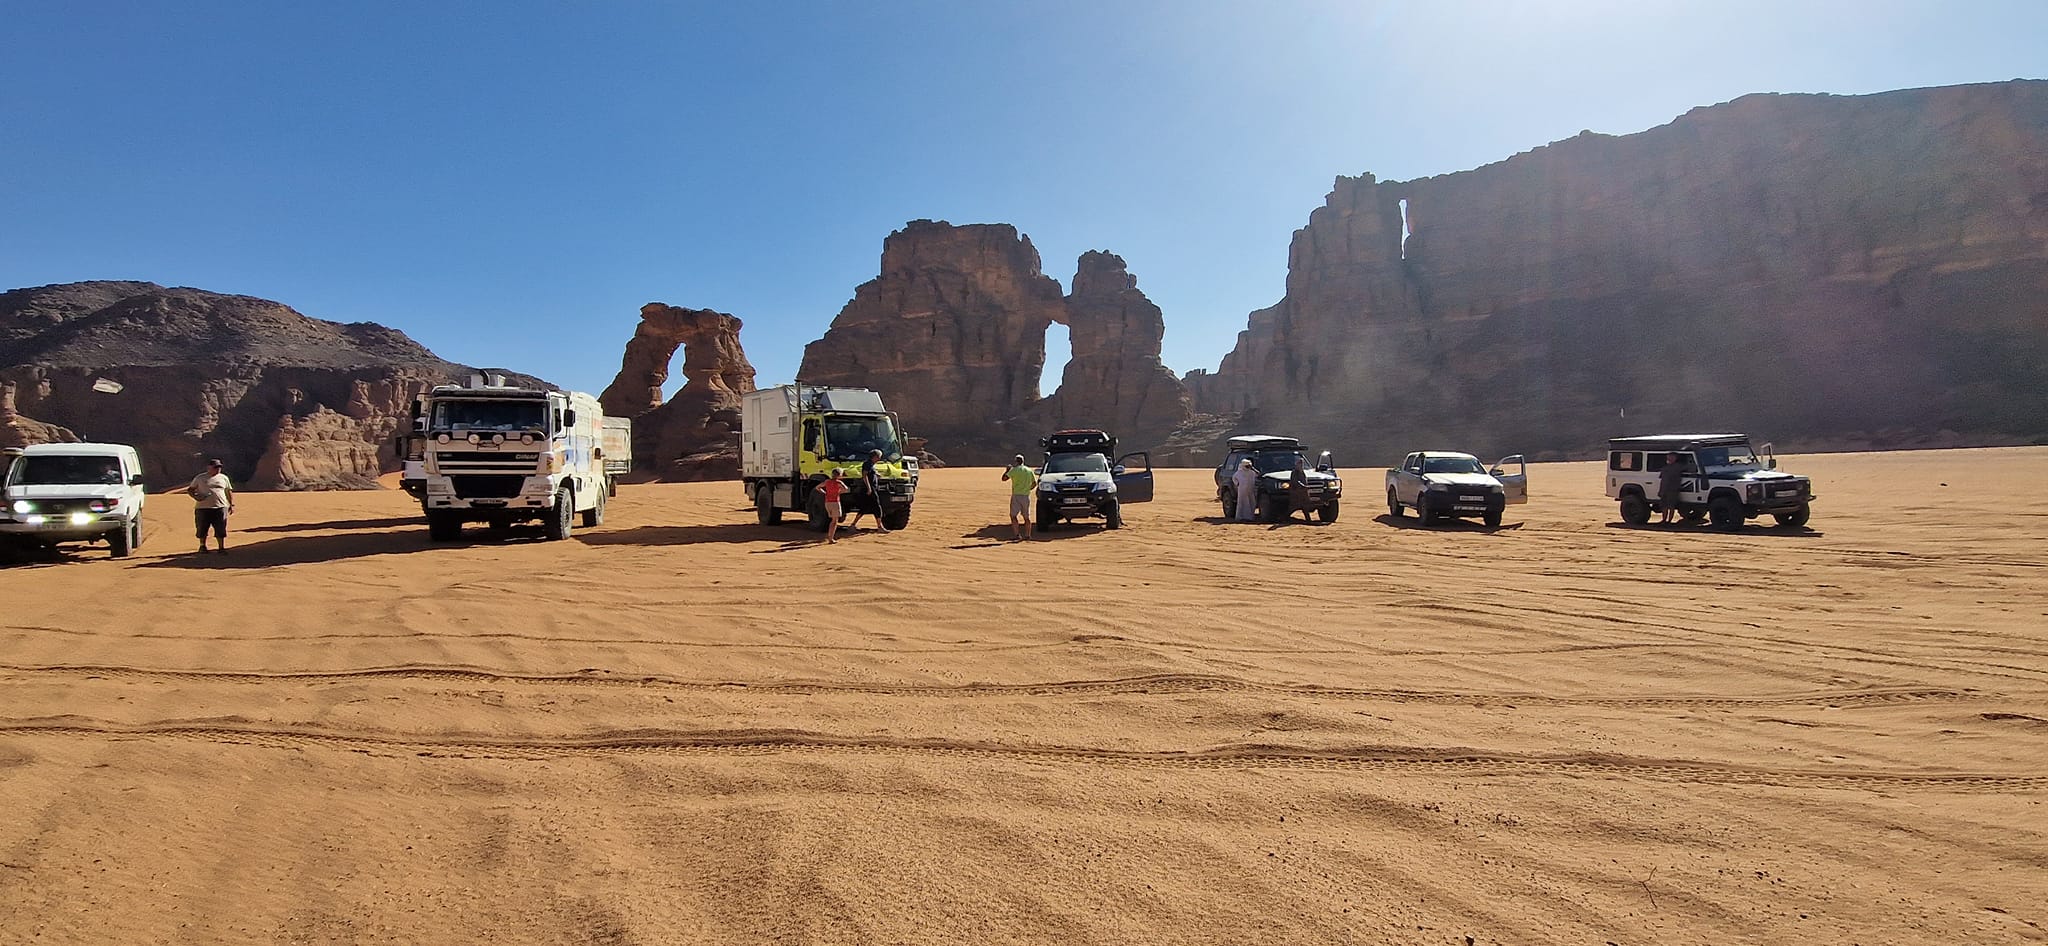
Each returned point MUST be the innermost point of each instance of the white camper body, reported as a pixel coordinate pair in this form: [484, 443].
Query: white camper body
[500, 454]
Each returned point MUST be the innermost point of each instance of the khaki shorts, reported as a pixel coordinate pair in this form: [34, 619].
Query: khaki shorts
[832, 510]
[1020, 504]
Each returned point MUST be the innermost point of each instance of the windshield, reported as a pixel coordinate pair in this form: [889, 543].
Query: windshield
[851, 438]
[65, 471]
[1274, 461]
[1077, 463]
[1739, 456]
[468, 415]
[1451, 465]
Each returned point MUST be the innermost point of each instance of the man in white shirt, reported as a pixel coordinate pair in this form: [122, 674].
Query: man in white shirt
[216, 498]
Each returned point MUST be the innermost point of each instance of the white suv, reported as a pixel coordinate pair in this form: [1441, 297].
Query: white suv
[1724, 480]
[74, 492]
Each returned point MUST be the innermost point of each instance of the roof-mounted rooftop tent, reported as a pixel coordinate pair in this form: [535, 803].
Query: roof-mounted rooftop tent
[1078, 441]
[1676, 441]
[1263, 442]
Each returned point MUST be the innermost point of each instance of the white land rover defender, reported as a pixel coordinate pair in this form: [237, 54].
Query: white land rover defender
[1724, 480]
[74, 492]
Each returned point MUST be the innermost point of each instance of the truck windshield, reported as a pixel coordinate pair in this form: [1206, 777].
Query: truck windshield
[1738, 456]
[65, 471]
[1451, 465]
[1274, 461]
[1077, 463]
[465, 415]
[852, 437]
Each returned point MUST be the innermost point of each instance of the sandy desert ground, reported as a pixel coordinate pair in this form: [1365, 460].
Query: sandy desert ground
[683, 727]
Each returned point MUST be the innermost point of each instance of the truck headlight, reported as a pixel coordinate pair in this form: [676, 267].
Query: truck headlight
[1105, 487]
[81, 518]
[1751, 492]
[24, 507]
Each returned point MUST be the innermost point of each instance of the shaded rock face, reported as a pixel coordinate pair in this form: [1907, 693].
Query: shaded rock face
[289, 402]
[1115, 380]
[19, 431]
[952, 333]
[693, 436]
[1828, 271]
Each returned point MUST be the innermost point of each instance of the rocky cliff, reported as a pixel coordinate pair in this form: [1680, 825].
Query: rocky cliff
[290, 402]
[692, 436]
[1828, 271]
[953, 334]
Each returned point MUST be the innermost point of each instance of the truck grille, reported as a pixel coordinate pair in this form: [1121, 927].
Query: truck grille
[58, 507]
[486, 486]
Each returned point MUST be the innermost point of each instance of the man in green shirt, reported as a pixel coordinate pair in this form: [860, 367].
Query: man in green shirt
[1021, 481]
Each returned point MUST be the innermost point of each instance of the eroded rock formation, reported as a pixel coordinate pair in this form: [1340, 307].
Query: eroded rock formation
[1115, 380]
[1828, 271]
[19, 431]
[288, 401]
[952, 333]
[693, 435]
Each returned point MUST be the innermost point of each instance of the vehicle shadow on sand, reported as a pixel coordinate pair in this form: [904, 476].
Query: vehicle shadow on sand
[721, 532]
[1443, 525]
[1707, 528]
[991, 536]
[299, 550]
[335, 525]
[1282, 524]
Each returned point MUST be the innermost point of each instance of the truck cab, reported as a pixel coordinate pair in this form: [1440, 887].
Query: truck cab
[1078, 481]
[792, 437]
[1724, 479]
[58, 493]
[1442, 485]
[502, 455]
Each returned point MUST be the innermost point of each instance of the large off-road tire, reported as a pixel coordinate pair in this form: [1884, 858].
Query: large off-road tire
[561, 521]
[1394, 506]
[1726, 512]
[1422, 511]
[814, 512]
[1113, 517]
[765, 510]
[1795, 518]
[1328, 513]
[594, 516]
[1048, 516]
[122, 544]
[1635, 510]
[1272, 509]
[898, 517]
[1492, 519]
[442, 527]
[1229, 504]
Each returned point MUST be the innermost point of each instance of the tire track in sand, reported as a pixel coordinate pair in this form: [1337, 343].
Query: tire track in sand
[1455, 759]
[1152, 684]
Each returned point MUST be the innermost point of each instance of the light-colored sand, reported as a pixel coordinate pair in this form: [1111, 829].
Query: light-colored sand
[686, 728]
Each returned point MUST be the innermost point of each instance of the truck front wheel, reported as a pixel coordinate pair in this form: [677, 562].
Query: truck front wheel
[897, 517]
[442, 527]
[1113, 515]
[1635, 510]
[122, 544]
[1795, 518]
[563, 521]
[1329, 512]
[594, 516]
[1726, 513]
[1393, 503]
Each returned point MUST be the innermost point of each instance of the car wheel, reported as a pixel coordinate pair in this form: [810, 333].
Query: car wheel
[1229, 504]
[898, 517]
[122, 543]
[1394, 506]
[1493, 519]
[442, 527]
[1113, 517]
[1795, 518]
[1328, 513]
[1692, 516]
[1422, 510]
[765, 510]
[1726, 513]
[814, 511]
[1635, 510]
[562, 523]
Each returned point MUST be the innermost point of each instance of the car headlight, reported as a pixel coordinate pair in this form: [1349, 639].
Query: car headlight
[24, 507]
[1497, 489]
[1104, 487]
[1048, 488]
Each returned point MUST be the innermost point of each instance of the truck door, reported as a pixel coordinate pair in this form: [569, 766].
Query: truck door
[1133, 473]
[1513, 475]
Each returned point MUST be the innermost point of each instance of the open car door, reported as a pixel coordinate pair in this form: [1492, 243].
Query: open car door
[1133, 474]
[1513, 475]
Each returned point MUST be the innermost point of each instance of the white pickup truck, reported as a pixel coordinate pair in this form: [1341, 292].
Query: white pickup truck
[1455, 486]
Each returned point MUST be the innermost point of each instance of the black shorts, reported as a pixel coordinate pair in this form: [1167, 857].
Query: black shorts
[215, 519]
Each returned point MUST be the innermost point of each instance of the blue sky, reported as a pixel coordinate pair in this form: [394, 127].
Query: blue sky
[508, 182]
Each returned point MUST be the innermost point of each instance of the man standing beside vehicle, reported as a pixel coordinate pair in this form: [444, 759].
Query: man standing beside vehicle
[1246, 482]
[1670, 482]
[1022, 480]
[871, 481]
[216, 499]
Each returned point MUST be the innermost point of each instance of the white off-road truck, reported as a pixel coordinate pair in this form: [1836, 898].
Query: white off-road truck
[499, 454]
[74, 492]
[1725, 480]
[1441, 486]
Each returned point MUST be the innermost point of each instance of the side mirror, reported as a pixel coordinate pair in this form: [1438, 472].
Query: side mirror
[568, 418]
[135, 480]
[1774, 463]
[1117, 471]
[1494, 472]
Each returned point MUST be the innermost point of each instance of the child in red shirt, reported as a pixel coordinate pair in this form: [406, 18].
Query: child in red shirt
[833, 488]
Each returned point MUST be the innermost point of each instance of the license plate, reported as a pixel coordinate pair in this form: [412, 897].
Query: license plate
[1464, 507]
[1074, 501]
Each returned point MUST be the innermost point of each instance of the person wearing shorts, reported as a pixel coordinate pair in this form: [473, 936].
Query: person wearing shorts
[1021, 482]
[834, 487]
[216, 499]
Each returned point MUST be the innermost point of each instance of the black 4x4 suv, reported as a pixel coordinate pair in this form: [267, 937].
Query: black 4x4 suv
[1077, 480]
[1273, 458]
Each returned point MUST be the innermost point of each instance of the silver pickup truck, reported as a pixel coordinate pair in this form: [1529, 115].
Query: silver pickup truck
[1455, 486]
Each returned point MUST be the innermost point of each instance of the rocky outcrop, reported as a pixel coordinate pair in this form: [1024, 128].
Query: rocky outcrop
[952, 333]
[1822, 270]
[693, 436]
[1115, 380]
[290, 402]
[19, 431]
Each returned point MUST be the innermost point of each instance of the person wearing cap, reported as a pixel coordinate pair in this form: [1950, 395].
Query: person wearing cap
[1246, 482]
[216, 498]
[871, 481]
[1022, 480]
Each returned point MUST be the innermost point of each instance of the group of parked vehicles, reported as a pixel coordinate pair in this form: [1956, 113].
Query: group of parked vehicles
[497, 454]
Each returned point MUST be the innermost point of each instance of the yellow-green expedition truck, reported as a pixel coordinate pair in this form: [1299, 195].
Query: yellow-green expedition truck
[793, 436]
